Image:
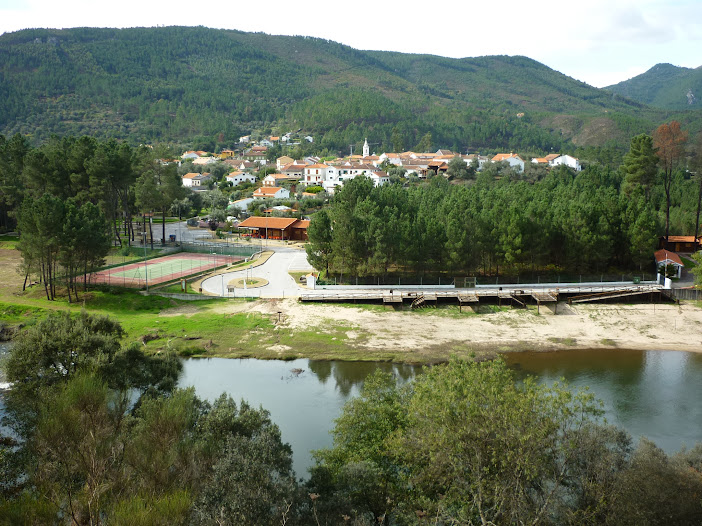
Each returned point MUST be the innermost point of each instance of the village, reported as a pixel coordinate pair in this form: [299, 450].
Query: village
[312, 177]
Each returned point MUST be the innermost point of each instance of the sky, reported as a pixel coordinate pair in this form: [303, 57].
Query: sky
[600, 42]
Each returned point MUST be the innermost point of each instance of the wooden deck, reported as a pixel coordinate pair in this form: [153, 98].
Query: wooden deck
[517, 296]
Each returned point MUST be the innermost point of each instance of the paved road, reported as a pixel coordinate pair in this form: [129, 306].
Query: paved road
[275, 271]
[183, 233]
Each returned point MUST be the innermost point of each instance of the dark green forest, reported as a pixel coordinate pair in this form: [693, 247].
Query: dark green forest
[73, 198]
[664, 86]
[200, 86]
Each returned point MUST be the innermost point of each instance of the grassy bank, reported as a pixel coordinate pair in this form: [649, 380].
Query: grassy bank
[286, 329]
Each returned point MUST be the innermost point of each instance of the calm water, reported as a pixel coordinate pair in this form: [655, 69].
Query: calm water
[303, 404]
[656, 394]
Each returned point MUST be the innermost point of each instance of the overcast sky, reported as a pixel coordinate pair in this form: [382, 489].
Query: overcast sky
[600, 42]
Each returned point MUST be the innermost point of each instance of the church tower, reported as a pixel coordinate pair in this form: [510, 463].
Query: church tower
[366, 149]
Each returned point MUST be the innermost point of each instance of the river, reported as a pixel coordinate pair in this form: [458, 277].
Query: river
[655, 394]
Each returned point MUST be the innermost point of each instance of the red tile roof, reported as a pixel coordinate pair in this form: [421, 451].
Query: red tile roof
[503, 156]
[268, 222]
[681, 239]
[666, 255]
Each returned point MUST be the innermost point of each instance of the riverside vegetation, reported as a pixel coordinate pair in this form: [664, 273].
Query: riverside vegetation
[98, 434]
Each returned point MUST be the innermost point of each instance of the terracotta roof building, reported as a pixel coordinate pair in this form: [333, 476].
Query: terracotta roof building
[679, 243]
[666, 258]
[276, 227]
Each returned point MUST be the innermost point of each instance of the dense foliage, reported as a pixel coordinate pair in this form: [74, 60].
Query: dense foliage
[70, 198]
[575, 223]
[97, 433]
[664, 86]
[201, 86]
[465, 444]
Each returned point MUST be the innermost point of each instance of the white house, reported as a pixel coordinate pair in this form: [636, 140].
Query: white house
[195, 179]
[271, 192]
[393, 158]
[241, 204]
[545, 160]
[350, 170]
[475, 157]
[666, 259]
[314, 174]
[236, 178]
[379, 178]
[415, 169]
[309, 138]
[510, 158]
[569, 161]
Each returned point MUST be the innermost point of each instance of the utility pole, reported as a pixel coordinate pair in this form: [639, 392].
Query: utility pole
[146, 268]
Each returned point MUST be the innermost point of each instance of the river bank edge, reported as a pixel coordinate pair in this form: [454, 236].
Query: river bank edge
[287, 329]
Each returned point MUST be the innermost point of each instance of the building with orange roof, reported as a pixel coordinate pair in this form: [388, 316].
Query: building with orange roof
[510, 158]
[194, 179]
[680, 243]
[276, 227]
[666, 259]
[276, 179]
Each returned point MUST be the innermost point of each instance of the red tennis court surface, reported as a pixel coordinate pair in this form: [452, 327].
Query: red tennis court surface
[161, 270]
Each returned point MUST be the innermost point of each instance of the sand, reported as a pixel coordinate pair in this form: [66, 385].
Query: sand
[646, 326]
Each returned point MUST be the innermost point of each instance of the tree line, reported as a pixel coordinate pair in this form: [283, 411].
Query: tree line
[96, 432]
[499, 221]
[72, 197]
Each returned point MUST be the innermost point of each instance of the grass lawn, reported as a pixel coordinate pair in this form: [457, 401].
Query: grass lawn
[189, 328]
[175, 288]
[297, 275]
[689, 263]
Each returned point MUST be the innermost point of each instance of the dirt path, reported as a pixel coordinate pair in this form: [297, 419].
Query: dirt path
[665, 327]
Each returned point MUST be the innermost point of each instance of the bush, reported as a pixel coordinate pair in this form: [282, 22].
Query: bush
[191, 350]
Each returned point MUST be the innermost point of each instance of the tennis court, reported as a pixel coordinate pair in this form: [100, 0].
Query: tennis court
[161, 270]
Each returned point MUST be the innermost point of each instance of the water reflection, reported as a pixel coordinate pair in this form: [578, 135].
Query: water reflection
[303, 396]
[649, 393]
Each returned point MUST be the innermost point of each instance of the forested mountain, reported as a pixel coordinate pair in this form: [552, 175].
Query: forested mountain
[184, 85]
[664, 86]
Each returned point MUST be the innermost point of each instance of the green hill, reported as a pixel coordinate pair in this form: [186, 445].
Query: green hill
[664, 86]
[181, 84]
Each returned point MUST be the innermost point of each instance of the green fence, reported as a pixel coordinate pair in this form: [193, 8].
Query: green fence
[225, 249]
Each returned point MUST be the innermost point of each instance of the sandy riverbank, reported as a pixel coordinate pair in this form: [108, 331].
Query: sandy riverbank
[647, 326]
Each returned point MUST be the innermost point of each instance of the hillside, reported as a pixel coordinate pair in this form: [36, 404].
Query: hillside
[664, 86]
[184, 85]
